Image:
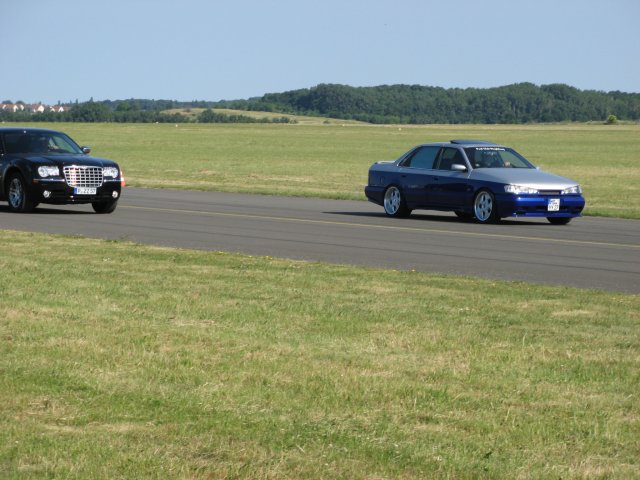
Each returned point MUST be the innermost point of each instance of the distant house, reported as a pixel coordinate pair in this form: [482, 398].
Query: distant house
[11, 107]
[36, 108]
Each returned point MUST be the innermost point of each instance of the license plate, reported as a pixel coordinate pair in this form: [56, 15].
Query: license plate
[553, 205]
[84, 191]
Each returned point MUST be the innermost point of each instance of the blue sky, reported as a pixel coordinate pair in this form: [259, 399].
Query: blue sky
[65, 50]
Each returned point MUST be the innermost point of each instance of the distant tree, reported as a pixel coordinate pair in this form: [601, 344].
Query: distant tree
[90, 112]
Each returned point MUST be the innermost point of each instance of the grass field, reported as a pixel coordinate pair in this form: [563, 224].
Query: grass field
[332, 160]
[127, 361]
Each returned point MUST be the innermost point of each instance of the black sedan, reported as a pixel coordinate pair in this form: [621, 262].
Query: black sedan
[45, 166]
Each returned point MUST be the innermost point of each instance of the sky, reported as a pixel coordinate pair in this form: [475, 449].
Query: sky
[67, 50]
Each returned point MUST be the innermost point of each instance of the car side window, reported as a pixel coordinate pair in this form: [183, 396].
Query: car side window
[448, 157]
[423, 158]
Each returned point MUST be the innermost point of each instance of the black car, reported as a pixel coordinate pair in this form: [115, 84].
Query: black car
[45, 166]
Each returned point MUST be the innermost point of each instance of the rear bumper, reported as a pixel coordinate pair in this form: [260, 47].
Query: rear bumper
[375, 194]
[538, 206]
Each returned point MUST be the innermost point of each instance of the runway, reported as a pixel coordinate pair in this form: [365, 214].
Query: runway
[590, 252]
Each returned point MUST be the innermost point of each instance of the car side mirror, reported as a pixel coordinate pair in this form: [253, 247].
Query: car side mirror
[86, 150]
[456, 167]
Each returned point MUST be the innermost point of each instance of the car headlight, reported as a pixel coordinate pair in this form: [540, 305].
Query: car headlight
[48, 171]
[572, 190]
[110, 172]
[519, 190]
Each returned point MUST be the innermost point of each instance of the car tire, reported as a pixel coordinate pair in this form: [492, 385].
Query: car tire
[559, 220]
[18, 195]
[104, 207]
[485, 208]
[394, 203]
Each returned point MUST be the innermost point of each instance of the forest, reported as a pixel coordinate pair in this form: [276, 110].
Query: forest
[386, 104]
[415, 104]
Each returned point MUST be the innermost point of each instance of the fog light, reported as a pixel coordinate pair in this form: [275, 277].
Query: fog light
[46, 194]
[114, 194]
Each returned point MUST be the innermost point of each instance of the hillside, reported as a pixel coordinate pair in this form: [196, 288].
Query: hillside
[415, 104]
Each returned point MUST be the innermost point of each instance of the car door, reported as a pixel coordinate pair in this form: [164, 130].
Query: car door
[416, 172]
[449, 188]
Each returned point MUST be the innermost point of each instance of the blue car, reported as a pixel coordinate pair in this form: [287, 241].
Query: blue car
[476, 180]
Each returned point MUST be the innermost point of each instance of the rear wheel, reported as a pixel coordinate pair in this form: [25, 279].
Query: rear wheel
[485, 208]
[18, 196]
[394, 203]
[105, 207]
[559, 220]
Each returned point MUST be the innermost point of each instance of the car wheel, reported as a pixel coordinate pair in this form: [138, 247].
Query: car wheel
[485, 208]
[394, 203]
[18, 196]
[559, 220]
[104, 207]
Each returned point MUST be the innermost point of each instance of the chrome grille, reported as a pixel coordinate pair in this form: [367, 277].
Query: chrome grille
[79, 176]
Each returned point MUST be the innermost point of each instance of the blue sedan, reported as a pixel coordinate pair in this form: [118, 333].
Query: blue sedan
[474, 179]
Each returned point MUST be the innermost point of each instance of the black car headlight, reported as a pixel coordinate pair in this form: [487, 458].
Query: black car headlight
[48, 171]
[110, 172]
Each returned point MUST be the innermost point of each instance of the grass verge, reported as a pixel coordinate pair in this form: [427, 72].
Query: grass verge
[127, 361]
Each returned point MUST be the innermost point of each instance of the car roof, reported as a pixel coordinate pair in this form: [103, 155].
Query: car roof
[462, 143]
[26, 129]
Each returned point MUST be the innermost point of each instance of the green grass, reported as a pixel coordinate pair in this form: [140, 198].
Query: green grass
[332, 160]
[128, 361]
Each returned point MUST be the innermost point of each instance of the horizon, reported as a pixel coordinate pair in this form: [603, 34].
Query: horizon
[72, 102]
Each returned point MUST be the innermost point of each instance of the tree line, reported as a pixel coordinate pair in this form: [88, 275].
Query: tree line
[134, 111]
[412, 104]
[416, 104]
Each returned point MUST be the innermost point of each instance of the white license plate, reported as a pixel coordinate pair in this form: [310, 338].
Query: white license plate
[84, 191]
[553, 205]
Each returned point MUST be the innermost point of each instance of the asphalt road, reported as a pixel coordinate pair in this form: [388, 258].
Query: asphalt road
[599, 253]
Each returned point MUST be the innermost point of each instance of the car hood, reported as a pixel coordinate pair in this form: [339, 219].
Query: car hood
[524, 177]
[66, 160]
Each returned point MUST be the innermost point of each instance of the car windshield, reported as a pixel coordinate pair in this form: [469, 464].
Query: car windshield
[496, 157]
[40, 143]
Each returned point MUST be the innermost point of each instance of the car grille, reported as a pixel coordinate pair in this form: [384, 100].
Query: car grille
[83, 176]
[550, 192]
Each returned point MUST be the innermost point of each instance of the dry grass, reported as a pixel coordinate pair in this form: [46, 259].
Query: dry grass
[213, 365]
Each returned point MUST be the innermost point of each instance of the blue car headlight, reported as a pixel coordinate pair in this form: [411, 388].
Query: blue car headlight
[576, 190]
[520, 190]
[48, 171]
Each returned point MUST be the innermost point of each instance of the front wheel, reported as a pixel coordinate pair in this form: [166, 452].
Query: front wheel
[485, 208]
[559, 220]
[18, 196]
[394, 203]
[105, 207]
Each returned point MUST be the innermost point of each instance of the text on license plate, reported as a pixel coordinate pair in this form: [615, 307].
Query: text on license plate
[553, 205]
[84, 191]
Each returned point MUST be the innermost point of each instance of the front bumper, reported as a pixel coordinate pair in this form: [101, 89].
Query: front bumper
[57, 191]
[538, 205]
